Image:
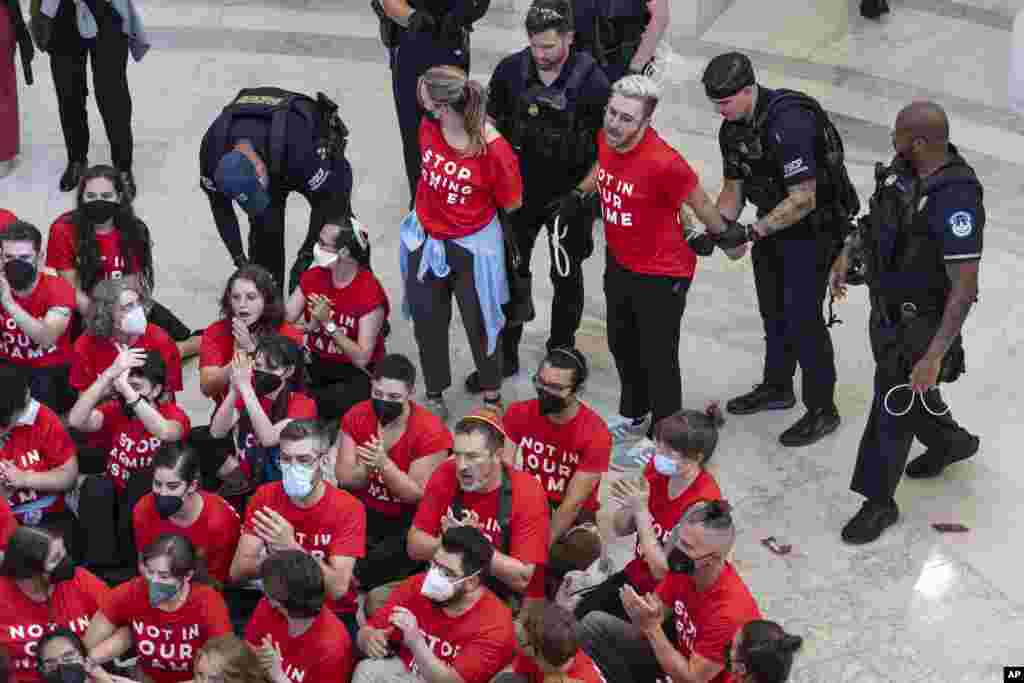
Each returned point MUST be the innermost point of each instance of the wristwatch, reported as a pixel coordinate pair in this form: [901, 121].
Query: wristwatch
[331, 327]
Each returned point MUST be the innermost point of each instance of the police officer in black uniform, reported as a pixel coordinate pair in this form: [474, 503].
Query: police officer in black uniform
[548, 101]
[773, 162]
[421, 34]
[622, 35]
[266, 144]
[919, 250]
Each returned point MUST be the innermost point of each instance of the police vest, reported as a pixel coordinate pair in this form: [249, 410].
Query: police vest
[905, 260]
[546, 124]
[616, 32]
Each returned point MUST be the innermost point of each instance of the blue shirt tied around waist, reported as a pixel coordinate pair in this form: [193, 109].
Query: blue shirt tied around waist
[488, 249]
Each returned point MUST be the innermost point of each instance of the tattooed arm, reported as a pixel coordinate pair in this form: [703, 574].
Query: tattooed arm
[964, 276]
[791, 210]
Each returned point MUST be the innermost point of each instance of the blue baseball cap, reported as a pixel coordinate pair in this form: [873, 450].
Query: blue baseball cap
[237, 178]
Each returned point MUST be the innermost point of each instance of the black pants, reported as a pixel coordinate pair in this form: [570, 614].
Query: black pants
[106, 517]
[645, 314]
[604, 597]
[170, 323]
[50, 387]
[266, 235]
[387, 558]
[620, 649]
[885, 444]
[567, 303]
[212, 454]
[66, 524]
[109, 56]
[431, 305]
[791, 277]
[336, 387]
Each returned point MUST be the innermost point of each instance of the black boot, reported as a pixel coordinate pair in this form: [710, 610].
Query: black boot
[810, 428]
[763, 397]
[871, 520]
[931, 464]
[72, 176]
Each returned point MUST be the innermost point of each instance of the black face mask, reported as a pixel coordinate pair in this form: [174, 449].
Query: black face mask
[386, 411]
[265, 382]
[20, 274]
[100, 211]
[64, 570]
[551, 404]
[167, 505]
[66, 673]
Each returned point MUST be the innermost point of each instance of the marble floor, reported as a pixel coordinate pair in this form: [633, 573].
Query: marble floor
[915, 606]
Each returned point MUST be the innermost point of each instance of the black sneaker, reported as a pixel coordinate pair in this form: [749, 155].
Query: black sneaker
[763, 397]
[72, 176]
[473, 380]
[871, 520]
[931, 464]
[812, 427]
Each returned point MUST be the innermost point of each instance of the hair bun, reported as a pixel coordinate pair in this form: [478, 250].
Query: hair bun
[714, 411]
[790, 643]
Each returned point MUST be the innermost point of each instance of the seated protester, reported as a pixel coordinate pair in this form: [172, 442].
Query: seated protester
[134, 424]
[38, 459]
[251, 309]
[264, 396]
[103, 239]
[40, 590]
[761, 652]
[387, 449]
[304, 512]
[8, 525]
[35, 312]
[706, 599]
[445, 624]
[475, 488]
[168, 613]
[117, 318]
[6, 218]
[552, 650]
[652, 505]
[61, 657]
[176, 505]
[228, 659]
[566, 446]
[296, 637]
[344, 309]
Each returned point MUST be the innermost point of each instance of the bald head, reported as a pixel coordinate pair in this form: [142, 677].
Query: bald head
[926, 120]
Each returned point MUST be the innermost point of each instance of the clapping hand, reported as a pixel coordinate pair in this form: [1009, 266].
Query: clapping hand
[271, 660]
[127, 359]
[372, 454]
[11, 476]
[273, 529]
[405, 621]
[241, 371]
[644, 611]
[320, 308]
[634, 492]
[244, 340]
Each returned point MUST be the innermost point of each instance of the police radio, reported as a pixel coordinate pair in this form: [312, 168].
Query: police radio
[334, 132]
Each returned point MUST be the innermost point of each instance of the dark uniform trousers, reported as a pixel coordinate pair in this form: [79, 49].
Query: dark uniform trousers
[266, 236]
[885, 444]
[791, 276]
[109, 56]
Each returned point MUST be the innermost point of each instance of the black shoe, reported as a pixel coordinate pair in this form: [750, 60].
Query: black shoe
[72, 176]
[871, 520]
[473, 381]
[930, 464]
[810, 428]
[763, 397]
[130, 189]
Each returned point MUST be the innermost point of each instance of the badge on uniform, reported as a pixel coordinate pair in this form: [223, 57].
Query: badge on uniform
[961, 223]
[323, 153]
[533, 110]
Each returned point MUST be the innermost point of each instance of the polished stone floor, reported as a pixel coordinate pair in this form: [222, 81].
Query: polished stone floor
[915, 606]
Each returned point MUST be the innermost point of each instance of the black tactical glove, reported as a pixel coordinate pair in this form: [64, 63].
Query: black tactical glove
[736, 234]
[570, 205]
[701, 242]
[422, 22]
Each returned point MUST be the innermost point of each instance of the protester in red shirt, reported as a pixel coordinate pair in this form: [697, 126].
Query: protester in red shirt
[134, 425]
[761, 652]
[304, 512]
[344, 308]
[445, 624]
[62, 658]
[41, 589]
[228, 658]
[296, 637]
[387, 449]
[652, 505]
[6, 218]
[35, 315]
[473, 488]
[176, 505]
[552, 651]
[566, 446]
[644, 184]
[8, 523]
[452, 243]
[264, 396]
[170, 613]
[103, 239]
[707, 600]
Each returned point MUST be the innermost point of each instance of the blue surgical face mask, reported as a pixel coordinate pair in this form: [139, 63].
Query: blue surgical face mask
[160, 592]
[665, 465]
[297, 480]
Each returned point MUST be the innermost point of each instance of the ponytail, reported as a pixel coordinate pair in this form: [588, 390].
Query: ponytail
[474, 116]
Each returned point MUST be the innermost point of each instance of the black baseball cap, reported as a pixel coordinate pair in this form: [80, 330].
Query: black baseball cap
[727, 74]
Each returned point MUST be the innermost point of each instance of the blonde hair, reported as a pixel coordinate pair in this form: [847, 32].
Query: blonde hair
[450, 85]
[638, 87]
[241, 665]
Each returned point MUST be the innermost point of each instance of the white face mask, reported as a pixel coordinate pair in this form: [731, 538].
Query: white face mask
[134, 322]
[438, 587]
[297, 480]
[666, 466]
[322, 257]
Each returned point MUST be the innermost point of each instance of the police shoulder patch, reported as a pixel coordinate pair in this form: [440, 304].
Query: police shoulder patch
[961, 223]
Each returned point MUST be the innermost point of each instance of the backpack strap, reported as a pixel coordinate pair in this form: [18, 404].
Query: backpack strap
[504, 508]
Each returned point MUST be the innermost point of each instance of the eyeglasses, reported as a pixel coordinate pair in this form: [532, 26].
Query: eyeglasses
[548, 386]
[66, 659]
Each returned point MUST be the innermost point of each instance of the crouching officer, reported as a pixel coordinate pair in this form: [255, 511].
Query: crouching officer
[919, 250]
[265, 145]
[622, 35]
[548, 101]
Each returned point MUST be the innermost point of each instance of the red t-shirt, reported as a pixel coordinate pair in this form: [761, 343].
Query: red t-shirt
[425, 434]
[217, 347]
[530, 520]
[358, 298]
[215, 534]
[131, 446]
[641, 194]
[321, 654]
[8, 524]
[300, 407]
[62, 250]
[38, 443]
[707, 621]
[666, 513]
[6, 218]
[553, 453]
[582, 669]
[167, 641]
[24, 621]
[92, 355]
[477, 644]
[16, 347]
[458, 195]
[335, 526]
